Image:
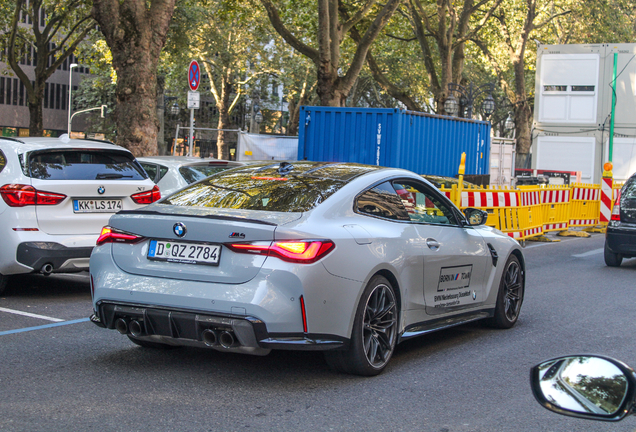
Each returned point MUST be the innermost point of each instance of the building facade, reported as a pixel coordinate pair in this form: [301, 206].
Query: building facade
[573, 106]
[14, 110]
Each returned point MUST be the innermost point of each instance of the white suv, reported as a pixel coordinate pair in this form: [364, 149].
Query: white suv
[57, 194]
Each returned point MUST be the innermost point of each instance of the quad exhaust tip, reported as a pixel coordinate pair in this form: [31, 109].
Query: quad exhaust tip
[209, 337]
[227, 340]
[135, 328]
[121, 326]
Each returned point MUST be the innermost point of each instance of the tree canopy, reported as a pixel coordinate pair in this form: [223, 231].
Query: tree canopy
[274, 53]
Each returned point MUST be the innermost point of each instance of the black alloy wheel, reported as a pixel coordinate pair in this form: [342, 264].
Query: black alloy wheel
[379, 325]
[510, 296]
[374, 333]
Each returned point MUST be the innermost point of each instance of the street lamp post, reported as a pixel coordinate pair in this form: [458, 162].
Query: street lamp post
[509, 125]
[467, 97]
[70, 95]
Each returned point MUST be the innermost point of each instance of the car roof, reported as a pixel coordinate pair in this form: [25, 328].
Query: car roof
[177, 161]
[343, 171]
[42, 143]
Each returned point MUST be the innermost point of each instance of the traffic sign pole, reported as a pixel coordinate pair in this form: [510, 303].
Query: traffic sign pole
[194, 78]
[191, 134]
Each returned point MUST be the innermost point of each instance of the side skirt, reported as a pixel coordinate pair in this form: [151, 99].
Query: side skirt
[425, 327]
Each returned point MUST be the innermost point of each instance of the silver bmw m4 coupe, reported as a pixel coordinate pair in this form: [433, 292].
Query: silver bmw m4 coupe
[337, 257]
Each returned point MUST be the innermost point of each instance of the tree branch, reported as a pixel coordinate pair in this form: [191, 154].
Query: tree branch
[363, 47]
[357, 17]
[280, 28]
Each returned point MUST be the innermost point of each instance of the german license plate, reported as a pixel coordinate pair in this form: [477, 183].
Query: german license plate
[97, 205]
[185, 253]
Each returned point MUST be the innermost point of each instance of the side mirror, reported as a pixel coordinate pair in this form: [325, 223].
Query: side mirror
[583, 386]
[475, 216]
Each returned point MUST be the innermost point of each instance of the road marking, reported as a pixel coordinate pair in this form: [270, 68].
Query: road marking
[8, 332]
[536, 245]
[17, 312]
[592, 252]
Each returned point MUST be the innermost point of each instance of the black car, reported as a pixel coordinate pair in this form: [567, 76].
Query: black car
[620, 238]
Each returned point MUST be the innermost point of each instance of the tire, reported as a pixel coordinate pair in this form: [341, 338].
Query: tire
[152, 345]
[374, 333]
[510, 295]
[612, 259]
[4, 280]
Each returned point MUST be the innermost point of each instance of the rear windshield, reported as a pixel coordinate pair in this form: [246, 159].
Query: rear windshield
[257, 191]
[628, 195]
[195, 173]
[84, 165]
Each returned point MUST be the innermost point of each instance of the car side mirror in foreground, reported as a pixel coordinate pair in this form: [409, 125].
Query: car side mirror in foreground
[475, 216]
[585, 386]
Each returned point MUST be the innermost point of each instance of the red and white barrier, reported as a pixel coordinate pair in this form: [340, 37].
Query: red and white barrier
[606, 199]
[489, 199]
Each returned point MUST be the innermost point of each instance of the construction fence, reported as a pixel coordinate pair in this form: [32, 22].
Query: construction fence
[531, 211]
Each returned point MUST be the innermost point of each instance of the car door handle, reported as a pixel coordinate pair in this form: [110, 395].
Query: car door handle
[432, 244]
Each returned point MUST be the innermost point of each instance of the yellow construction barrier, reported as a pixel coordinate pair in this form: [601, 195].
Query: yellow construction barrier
[585, 205]
[555, 207]
[530, 211]
[514, 212]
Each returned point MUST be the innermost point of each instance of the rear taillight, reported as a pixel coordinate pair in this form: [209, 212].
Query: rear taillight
[300, 251]
[147, 197]
[19, 195]
[112, 235]
[616, 210]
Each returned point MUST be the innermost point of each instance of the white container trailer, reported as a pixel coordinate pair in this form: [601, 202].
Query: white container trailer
[573, 99]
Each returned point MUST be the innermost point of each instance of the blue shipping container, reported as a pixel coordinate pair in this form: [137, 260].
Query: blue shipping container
[420, 142]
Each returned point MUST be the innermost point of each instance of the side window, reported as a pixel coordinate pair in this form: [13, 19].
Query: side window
[382, 201]
[151, 169]
[3, 161]
[162, 172]
[423, 205]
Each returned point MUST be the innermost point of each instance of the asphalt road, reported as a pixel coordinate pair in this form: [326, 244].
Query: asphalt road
[59, 372]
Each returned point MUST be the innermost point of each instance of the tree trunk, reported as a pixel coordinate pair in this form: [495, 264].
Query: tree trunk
[36, 124]
[221, 144]
[523, 112]
[136, 32]
[136, 91]
[223, 105]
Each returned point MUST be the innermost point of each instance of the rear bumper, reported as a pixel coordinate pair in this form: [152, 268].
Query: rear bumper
[188, 327]
[621, 239]
[62, 259]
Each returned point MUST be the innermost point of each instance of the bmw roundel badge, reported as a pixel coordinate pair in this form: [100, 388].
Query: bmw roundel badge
[101, 190]
[179, 229]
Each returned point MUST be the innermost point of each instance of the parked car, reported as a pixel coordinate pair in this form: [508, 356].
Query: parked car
[585, 386]
[309, 256]
[57, 194]
[620, 236]
[172, 173]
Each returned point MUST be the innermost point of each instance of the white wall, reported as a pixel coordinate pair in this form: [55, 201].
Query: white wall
[567, 153]
[568, 86]
[623, 157]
